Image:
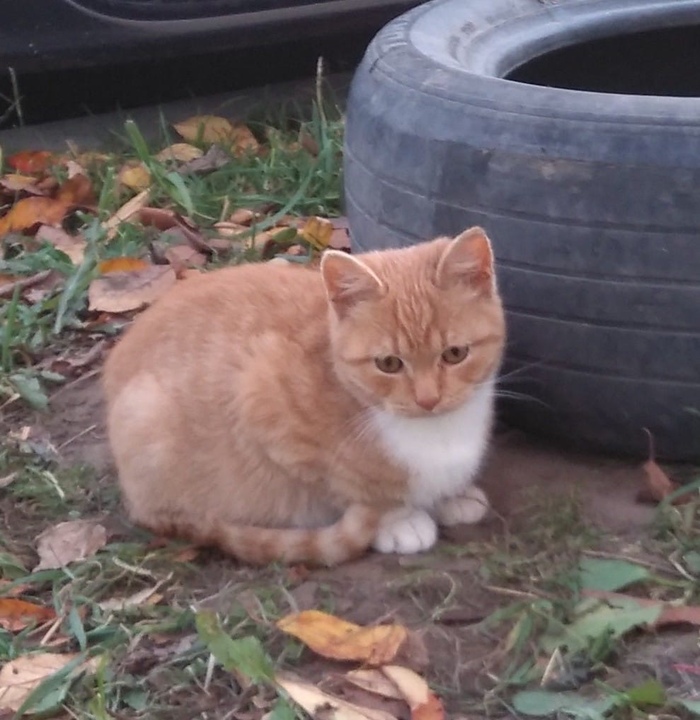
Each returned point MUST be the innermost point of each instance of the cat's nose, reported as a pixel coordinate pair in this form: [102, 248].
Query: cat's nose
[427, 402]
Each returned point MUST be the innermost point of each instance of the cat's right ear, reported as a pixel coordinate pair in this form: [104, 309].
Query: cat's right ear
[348, 280]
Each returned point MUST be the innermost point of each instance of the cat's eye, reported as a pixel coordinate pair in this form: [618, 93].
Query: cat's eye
[455, 354]
[390, 364]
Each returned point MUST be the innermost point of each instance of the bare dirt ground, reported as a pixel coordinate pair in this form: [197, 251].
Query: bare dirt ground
[443, 595]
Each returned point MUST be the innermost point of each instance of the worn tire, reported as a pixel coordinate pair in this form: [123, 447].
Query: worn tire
[592, 201]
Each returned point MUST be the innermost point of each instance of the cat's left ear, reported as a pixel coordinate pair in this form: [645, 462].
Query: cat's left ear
[468, 260]
[348, 280]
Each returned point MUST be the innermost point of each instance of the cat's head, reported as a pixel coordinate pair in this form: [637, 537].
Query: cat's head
[415, 331]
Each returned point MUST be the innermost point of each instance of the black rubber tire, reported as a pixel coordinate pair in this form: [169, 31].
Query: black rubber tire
[592, 202]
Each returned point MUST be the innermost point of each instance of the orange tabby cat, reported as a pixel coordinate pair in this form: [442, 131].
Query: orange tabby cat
[284, 413]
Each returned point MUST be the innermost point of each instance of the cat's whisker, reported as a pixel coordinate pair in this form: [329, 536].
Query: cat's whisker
[512, 395]
[519, 370]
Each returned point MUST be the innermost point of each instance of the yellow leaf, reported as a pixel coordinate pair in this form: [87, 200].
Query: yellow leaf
[179, 152]
[215, 129]
[317, 232]
[121, 264]
[135, 175]
[320, 704]
[338, 639]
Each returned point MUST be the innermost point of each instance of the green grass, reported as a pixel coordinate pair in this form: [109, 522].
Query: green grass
[284, 179]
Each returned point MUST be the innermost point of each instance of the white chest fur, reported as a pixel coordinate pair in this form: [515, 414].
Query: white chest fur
[441, 453]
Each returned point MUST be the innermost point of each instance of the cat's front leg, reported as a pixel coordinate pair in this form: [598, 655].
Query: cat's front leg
[470, 506]
[405, 530]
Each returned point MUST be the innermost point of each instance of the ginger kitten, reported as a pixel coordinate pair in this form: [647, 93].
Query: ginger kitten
[290, 414]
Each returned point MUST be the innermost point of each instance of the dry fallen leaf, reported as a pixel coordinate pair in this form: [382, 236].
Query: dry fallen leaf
[183, 256]
[126, 213]
[317, 232]
[214, 158]
[32, 211]
[69, 541]
[226, 228]
[214, 129]
[118, 292]
[374, 681]
[244, 216]
[147, 596]
[31, 161]
[424, 704]
[657, 485]
[179, 152]
[18, 678]
[72, 245]
[322, 705]
[338, 639]
[15, 182]
[77, 190]
[134, 175]
[121, 264]
[15, 615]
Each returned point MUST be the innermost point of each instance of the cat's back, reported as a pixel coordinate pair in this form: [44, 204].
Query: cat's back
[211, 316]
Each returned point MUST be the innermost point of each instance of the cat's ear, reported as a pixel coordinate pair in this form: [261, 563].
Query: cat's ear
[348, 280]
[468, 260]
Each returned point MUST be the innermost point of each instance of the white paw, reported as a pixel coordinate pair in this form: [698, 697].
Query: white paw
[405, 530]
[469, 507]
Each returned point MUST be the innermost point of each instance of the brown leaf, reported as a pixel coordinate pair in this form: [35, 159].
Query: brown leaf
[323, 706]
[134, 175]
[15, 615]
[657, 485]
[179, 152]
[161, 218]
[244, 217]
[182, 256]
[72, 245]
[69, 541]
[308, 142]
[119, 292]
[77, 190]
[338, 639]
